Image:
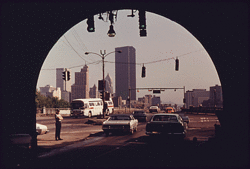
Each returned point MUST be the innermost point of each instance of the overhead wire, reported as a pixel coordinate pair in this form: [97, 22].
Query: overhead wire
[99, 61]
[74, 49]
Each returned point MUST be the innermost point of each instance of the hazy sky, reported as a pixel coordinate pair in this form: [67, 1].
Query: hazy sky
[165, 40]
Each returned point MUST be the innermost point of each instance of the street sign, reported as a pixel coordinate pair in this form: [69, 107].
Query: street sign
[156, 91]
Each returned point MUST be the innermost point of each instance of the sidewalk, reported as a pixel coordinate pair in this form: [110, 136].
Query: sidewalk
[47, 142]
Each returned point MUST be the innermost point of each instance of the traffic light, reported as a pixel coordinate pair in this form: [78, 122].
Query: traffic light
[142, 19]
[176, 64]
[68, 75]
[101, 95]
[107, 96]
[100, 84]
[143, 73]
[143, 32]
[142, 23]
[91, 26]
[64, 75]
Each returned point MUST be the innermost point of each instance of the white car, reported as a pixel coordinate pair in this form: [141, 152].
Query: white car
[120, 123]
[154, 109]
[41, 129]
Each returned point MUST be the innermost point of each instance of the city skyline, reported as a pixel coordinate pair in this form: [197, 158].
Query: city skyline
[165, 41]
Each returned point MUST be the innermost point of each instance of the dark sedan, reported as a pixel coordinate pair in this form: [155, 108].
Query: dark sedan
[140, 115]
[166, 124]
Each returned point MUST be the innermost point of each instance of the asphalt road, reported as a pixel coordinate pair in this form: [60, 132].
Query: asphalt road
[86, 146]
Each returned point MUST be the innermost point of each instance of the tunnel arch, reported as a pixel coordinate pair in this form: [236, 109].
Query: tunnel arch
[34, 28]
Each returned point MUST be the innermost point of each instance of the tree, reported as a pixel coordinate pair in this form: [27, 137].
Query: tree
[50, 102]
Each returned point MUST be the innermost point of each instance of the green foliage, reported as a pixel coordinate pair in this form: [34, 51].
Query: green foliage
[50, 102]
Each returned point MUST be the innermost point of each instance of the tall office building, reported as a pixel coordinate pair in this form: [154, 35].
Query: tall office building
[125, 72]
[81, 87]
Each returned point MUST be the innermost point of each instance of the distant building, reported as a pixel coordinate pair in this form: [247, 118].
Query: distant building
[125, 72]
[149, 99]
[50, 91]
[81, 87]
[117, 101]
[109, 84]
[215, 97]
[156, 101]
[66, 96]
[93, 92]
[196, 97]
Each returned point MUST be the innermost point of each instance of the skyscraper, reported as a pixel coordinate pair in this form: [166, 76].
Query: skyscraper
[81, 87]
[109, 84]
[125, 72]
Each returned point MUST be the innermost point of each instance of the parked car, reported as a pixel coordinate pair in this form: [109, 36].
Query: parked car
[140, 115]
[41, 129]
[17, 150]
[166, 124]
[153, 109]
[120, 123]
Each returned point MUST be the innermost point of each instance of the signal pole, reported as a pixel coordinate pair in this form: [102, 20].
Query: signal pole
[66, 77]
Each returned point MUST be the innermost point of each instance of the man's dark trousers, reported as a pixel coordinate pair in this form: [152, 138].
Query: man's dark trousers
[58, 130]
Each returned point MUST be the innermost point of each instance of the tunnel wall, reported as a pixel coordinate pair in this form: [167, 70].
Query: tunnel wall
[29, 31]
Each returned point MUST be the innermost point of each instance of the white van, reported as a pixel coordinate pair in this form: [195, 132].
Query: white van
[90, 107]
[86, 107]
[110, 107]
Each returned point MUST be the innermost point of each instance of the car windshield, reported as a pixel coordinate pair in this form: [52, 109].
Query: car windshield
[119, 118]
[77, 104]
[165, 118]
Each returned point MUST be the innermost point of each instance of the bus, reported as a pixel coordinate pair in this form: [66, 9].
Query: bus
[90, 107]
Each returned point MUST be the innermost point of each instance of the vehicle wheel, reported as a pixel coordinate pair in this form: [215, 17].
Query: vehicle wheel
[90, 114]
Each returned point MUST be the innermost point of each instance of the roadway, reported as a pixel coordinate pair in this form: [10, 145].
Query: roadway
[85, 145]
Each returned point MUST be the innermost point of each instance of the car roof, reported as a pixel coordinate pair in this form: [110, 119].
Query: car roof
[120, 115]
[164, 114]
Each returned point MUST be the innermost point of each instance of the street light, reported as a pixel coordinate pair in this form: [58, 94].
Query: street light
[103, 55]
[111, 32]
